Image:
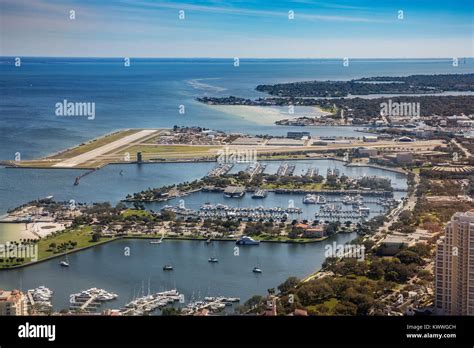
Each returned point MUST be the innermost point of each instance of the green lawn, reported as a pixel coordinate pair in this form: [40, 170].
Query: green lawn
[82, 236]
[133, 212]
[95, 143]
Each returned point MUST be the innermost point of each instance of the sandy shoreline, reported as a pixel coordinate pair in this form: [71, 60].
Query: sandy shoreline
[267, 115]
[16, 231]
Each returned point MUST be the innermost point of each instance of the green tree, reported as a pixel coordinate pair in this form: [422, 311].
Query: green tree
[288, 284]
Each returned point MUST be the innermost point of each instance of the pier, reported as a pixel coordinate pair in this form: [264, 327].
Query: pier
[255, 169]
[286, 169]
[220, 169]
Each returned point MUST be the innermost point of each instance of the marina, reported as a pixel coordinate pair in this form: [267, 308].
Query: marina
[276, 205]
[311, 172]
[335, 212]
[260, 194]
[286, 169]
[209, 305]
[255, 169]
[151, 302]
[246, 213]
[88, 301]
[220, 169]
[40, 299]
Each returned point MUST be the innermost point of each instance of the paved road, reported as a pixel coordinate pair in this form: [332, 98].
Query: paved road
[408, 205]
[462, 148]
[93, 154]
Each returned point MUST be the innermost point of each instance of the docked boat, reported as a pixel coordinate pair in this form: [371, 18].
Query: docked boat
[310, 199]
[246, 240]
[256, 270]
[321, 199]
[212, 260]
[260, 194]
[167, 268]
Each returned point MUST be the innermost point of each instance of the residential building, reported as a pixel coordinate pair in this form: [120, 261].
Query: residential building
[12, 303]
[454, 267]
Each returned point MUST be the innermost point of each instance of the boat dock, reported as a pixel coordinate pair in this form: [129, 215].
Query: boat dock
[311, 172]
[220, 169]
[90, 300]
[246, 213]
[39, 299]
[255, 169]
[210, 304]
[260, 194]
[149, 303]
[286, 169]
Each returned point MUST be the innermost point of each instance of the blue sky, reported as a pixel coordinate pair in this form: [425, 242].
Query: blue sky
[214, 28]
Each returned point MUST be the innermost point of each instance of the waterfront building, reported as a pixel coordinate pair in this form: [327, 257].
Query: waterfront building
[12, 303]
[369, 138]
[404, 158]
[454, 267]
[234, 191]
[297, 135]
[367, 152]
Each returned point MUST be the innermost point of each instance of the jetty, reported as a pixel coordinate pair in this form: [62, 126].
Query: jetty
[220, 169]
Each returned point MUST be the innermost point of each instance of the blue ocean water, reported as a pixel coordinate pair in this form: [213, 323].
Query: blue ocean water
[150, 91]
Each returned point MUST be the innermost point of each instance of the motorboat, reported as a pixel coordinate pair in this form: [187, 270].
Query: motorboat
[246, 240]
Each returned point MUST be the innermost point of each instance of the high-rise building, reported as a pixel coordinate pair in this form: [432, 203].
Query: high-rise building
[454, 267]
[13, 303]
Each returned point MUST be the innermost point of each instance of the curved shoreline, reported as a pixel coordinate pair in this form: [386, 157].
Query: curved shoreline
[308, 241]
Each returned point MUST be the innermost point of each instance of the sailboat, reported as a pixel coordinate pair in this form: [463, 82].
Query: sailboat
[65, 263]
[212, 259]
[256, 269]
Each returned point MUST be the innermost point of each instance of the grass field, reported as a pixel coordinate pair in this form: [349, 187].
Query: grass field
[82, 236]
[134, 212]
[93, 144]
